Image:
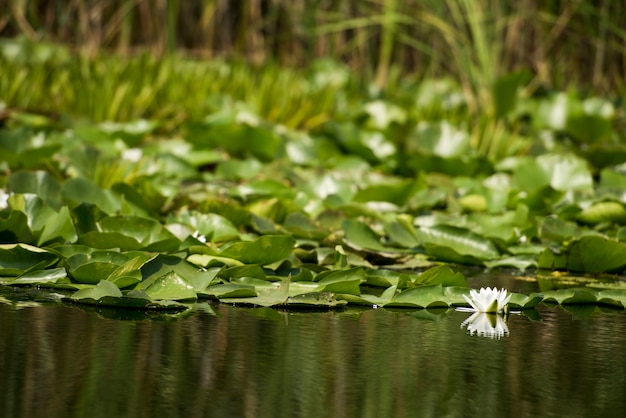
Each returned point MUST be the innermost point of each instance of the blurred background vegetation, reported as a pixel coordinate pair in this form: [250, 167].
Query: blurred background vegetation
[562, 42]
[304, 63]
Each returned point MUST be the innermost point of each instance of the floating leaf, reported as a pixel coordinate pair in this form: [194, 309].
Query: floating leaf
[95, 267]
[128, 273]
[342, 281]
[440, 139]
[590, 253]
[571, 296]
[14, 227]
[314, 301]
[102, 289]
[420, 297]
[16, 259]
[55, 275]
[362, 237]
[589, 128]
[264, 250]
[397, 192]
[525, 302]
[170, 286]
[266, 296]
[229, 290]
[39, 183]
[603, 212]
[369, 300]
[566, 171]
[386, 278]
[520, 262]
[442, 275]
[198, 278]
[80, 190]
[616, 298]
[59, 226]
[437, 239]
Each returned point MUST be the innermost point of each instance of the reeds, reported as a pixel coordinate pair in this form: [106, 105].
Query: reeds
[578, 41]
[171, 89]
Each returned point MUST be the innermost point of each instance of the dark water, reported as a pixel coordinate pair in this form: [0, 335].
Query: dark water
[222, 361]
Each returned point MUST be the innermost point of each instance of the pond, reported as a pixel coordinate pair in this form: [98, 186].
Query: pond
[223, 361]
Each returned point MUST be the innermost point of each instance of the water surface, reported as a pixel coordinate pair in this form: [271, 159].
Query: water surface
[224, 361]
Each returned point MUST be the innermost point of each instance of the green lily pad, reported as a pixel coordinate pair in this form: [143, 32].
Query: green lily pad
[571, 296]
[264, 250]
[95, 267]
[362, 237]
[14, 227]
[198, 278]
[368, 299]
[129, 273]
[386, 278]
[459, 240]
[55, 275]
[589, 253]
[170, 286]
[342, 281]
[419, 297]
[519, 300]
[229, 290]
[80, 190]
[604, 212]
[16, 259]
[265, 296]
[102, 289]
[442, 275]
[39, 183]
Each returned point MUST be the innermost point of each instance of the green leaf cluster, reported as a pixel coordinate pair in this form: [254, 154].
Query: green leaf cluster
[232, 204]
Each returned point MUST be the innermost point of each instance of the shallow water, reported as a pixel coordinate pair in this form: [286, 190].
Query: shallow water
[223, 361]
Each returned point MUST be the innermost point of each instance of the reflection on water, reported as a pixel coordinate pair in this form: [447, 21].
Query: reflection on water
[488, 325]
[59, 361]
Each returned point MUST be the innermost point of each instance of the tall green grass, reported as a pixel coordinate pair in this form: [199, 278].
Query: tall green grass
[177, 60]
[578, 41]
[170, 89]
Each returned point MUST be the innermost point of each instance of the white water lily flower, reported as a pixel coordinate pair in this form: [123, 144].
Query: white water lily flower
[488, 300]
[486, 325]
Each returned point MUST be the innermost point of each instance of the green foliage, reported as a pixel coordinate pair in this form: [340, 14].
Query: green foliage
[361, 204]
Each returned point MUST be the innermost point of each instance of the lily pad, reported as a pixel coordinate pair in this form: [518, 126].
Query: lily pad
[439, 238]
[95, 267]
[590, 253]
[420, 297]
[229, 290]
[55, 275]
[16, 259]
[162, 264]
[170, 286]
[264, 250]
[442, 275]
[102, 289]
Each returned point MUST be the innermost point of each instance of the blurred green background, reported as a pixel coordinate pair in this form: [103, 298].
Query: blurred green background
[561, 42]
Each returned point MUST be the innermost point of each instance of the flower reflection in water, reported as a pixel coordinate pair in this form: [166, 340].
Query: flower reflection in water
[486, 325]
